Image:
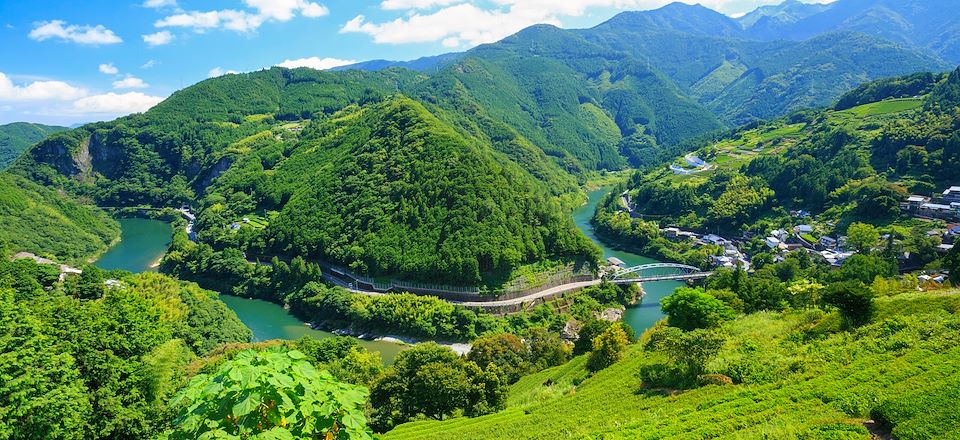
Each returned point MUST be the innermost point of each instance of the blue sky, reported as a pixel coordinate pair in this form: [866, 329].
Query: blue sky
[65, 62]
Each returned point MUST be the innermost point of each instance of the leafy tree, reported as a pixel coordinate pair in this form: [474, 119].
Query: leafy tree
[862, 236]
[326, 350]
[432, 380]
[41, 392]
[506, 351]
[273, 393]
[951, 262]
[692, 308]
[853, 299]
[358, 366]
[691, 350]
[593, 328]
[865, 268]
[546, 348]
[608, 348]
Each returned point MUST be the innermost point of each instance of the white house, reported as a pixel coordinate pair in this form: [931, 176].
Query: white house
[803, 229]
[773, 242]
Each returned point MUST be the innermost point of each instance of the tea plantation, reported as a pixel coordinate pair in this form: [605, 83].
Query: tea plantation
[795, 375]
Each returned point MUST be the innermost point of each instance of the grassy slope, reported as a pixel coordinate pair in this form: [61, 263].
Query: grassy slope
[776, 137]
[41, 220]
[795, 388]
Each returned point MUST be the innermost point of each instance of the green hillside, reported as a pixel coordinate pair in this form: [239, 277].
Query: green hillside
[848, 165]
[794, 378]
[17, 136]
[391, 190]
[741, 78]
[46, 222]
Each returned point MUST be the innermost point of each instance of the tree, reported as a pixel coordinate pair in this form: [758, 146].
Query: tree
[41, 392]
[689, 352]
[432, 380]
[951, 262]
[607, 348]
[594, 328]
[359, 367]
[692, 308]
[504, 350]
[438, 390]
[865, 268]
[862, 236]
[276, 392]
[547, 349]
[853, 299]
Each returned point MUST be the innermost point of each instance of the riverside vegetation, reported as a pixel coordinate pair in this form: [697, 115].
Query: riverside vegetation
[464, 172]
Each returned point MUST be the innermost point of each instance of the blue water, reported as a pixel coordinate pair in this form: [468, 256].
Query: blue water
[648, 312]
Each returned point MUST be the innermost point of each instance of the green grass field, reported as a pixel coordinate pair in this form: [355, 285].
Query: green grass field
[885, 107]
[797, 378]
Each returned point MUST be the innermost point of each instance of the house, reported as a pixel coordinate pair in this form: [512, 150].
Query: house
[780, 234]
[952, 194]
[803, 229]
[64, 269]
[235, 226]
[913, 203]
[828, 242]
[714, 239]
[773, 242]
[937, 210]
[800, 214]
[614, 261]
[944, 248]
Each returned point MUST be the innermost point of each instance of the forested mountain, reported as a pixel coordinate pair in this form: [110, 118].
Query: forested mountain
[741, 78]
[16, 137]
[530, 116]
[391, 189]
[348, 172]
[852, 163]
[767, 21]
[43, 221]
[933, 25]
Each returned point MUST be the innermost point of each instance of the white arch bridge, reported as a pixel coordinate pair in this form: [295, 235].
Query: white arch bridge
[657, 272]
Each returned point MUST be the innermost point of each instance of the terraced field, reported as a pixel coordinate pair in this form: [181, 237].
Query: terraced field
[798, 379]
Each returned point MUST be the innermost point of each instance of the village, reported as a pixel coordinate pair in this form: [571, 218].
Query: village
[942, 212]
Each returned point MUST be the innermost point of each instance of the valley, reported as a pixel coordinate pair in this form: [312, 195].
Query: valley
[685, 222]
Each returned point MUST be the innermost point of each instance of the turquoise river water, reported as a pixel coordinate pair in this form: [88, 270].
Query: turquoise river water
[143, 243]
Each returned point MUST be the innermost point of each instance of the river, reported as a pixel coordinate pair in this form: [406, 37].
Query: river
[648, 312]
[143, 243]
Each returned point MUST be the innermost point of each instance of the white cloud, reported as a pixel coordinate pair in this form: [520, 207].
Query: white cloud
[451, 42]
[244, 21]
[38, 91]
[315, 63]
[464, 22]
[218, 71]
[156, 4]
[457, 22]
[108, 69]
[130, 82]
[150, 64]
[414, 4]
[81, 34]
[158, 38]
[284, 10]
[113, 103]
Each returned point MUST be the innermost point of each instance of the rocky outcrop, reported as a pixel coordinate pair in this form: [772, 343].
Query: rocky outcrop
[221, 167]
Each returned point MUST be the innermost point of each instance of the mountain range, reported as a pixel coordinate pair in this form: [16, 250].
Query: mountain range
[524, 121]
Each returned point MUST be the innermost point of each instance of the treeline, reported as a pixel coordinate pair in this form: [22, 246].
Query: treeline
[83, 359]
